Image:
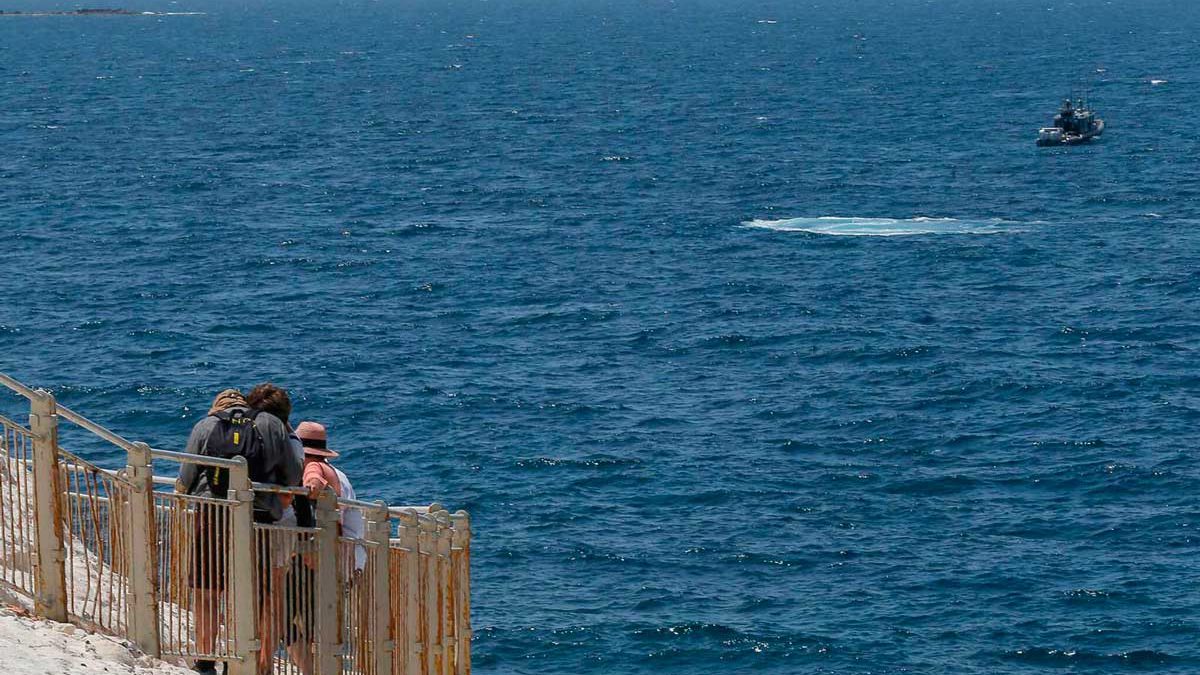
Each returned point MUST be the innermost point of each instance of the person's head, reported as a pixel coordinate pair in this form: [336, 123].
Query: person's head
[228, 398]
[315, 441]
[272, 399]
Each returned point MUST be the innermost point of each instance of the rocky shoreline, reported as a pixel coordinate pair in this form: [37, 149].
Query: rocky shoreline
[36, 646]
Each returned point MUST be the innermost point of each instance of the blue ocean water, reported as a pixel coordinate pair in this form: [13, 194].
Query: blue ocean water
[612, 276]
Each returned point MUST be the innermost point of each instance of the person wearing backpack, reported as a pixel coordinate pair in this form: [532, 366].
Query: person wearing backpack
[231, 429]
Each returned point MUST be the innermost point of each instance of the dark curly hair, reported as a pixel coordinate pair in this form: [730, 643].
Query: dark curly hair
[270, 398]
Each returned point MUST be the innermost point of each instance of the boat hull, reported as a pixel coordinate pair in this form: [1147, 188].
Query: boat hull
[1075, 139]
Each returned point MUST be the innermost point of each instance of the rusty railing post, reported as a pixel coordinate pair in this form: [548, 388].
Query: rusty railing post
[242, 600]
[51, 600]
[379, 532]
[411, 573]
[328, 617]
[461, 572]
[428, 552]
[142, 602]
[445, 601]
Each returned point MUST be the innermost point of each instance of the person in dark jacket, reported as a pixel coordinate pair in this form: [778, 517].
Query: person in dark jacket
[272, 461]
[297, 511]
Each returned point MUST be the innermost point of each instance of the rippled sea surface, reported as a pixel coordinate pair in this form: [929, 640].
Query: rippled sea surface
[611, 276]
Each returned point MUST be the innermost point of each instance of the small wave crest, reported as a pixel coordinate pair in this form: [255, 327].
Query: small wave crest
[884, 227]
[1053, 657]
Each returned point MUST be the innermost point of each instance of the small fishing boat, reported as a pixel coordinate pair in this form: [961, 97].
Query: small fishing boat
[1074, 124]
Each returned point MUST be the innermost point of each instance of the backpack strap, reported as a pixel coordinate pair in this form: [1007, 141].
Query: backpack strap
[245, 413]
[201, 469]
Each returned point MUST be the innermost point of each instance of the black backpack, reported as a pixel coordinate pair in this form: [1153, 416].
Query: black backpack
[233, 435]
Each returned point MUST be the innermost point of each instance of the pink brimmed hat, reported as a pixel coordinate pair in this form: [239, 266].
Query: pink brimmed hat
[312, 436]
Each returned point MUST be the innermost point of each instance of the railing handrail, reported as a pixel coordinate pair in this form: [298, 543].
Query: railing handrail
[66, 413]
[300, 491]
[16, 386]
[279, 489]
[85, 423]
[415, 510]
[189, 458]
[361, 504]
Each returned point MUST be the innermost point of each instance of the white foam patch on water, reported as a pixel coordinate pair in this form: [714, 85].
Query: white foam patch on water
[884, 227]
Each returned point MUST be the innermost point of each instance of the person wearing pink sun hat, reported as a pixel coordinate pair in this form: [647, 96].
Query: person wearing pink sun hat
[320, 475]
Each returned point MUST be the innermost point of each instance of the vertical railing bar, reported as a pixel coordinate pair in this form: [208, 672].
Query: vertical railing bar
[6, 506]
[9, 543]
[29, 506]
[142, 604]
[117, 529]
[69, 542]
[427, 555]
[229, 526]
[69, 525]
[396, 605]
[187, 528]
[462, 588]
[16, 499]
[445, 596]
[180, 568]
[51, 599]
[92, 483]
[17, 523]
[411, 538]
[380, 630]
[328, 589]
[206, 517]
[11, 502]
[19, 496]
[118, 605]
[79, 541]
[24, 502]
[241, 574]
[444, 601]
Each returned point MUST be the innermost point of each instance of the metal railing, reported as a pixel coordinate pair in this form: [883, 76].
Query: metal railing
[95, 522]
[18, 538]
[192, 577]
